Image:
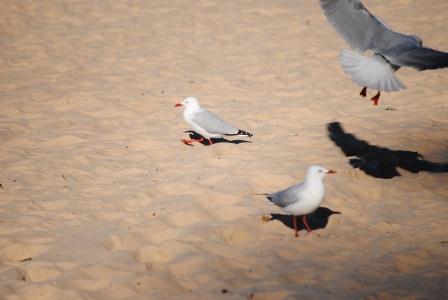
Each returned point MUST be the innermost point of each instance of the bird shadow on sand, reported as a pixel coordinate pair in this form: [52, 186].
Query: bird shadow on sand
[205, 142]
[317, 220]
[378, 161]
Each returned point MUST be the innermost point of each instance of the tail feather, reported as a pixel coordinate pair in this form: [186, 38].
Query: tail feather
[372, 72]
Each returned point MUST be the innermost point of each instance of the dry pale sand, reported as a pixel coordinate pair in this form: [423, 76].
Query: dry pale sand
[100, 200]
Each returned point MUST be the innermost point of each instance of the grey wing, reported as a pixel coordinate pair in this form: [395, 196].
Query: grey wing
[359, 28]
[421, 58]
[213, 124]
[285, 197]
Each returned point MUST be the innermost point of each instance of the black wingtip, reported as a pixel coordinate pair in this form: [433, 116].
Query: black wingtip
[245, 133]
[241, 133]
[269, 198]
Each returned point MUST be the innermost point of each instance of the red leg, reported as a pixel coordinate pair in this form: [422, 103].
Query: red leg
[363, 92]
[191, 141]
[210, 141]
[294, 222]
[376, 98]
[308, 228]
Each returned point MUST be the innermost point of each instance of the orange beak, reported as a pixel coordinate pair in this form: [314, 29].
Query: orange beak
[331, 172]
[177, 104]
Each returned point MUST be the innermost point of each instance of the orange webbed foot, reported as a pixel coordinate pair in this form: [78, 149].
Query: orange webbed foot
[376, 98]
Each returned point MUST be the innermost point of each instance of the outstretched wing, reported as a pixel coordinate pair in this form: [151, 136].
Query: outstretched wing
[421, 58]
[212, 123]
[355, 23]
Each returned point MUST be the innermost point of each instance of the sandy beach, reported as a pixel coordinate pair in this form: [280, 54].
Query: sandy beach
[99, 199]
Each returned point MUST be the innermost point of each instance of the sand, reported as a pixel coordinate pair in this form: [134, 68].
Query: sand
[99, 199]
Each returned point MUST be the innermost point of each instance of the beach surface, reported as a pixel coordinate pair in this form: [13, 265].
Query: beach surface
[99, 199]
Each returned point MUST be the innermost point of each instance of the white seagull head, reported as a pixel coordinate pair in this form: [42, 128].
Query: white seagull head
[188, 103]
[317, 171]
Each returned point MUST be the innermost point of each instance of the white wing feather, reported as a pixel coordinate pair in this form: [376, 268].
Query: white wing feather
[355, 23]
[213, 124]
[372, 72]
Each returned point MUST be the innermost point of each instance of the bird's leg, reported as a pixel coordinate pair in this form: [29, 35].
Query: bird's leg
[210, 141]
[308, 228]
[191, 141]
[363, 92]
[294, 222]
[376, 98]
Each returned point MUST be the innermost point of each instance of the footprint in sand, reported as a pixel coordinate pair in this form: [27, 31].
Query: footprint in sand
[113, 242]
[165, 252]
[188, 217]
[271, 181]
[185, 271]
[89, 284]
[212, 199]
[409, 262]
[51, 204]
[158, 232]
[170, 189]
[229, 213]
[128, 241]
[14, 253]
[236, 236]
[37, 272]
[44, 292]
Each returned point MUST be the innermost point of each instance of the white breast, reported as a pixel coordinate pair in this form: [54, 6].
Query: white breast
[188, 117]
[309, 200]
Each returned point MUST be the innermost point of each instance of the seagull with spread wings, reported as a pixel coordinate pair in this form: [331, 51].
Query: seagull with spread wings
[363, 31]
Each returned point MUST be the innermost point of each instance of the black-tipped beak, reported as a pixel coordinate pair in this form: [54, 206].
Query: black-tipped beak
[177, 105]
[331, 172]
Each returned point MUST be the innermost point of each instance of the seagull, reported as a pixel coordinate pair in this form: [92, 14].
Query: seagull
[303, 198]
[206, 123]
[391, 50]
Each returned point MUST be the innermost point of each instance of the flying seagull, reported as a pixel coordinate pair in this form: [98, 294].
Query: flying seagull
[363, 31]
[206, 123]
[304, 198]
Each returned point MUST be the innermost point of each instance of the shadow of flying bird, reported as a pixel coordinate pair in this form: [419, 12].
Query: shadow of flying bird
[378, 161]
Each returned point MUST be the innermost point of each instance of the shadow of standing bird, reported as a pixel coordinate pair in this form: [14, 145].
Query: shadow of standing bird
[316, 220]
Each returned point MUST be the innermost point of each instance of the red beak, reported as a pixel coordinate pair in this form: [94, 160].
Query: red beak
[331, 172]
[177, 104]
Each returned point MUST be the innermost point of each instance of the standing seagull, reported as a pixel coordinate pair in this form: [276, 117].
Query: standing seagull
[392, 50]
[206, 123]
[304, 198]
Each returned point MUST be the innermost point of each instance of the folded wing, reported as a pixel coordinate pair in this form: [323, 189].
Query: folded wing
[213, 124]
[285, 197]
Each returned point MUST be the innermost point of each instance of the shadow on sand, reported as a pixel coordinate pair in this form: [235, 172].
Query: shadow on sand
[316, 220]
[194, 135]
[377, 161]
